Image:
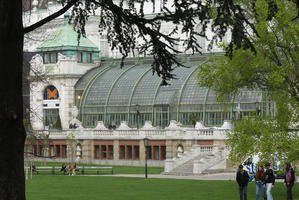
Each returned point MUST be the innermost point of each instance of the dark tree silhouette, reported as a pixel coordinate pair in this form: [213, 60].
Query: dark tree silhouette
[124, 26]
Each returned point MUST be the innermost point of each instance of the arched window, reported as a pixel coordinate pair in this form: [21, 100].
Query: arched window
[51, 92]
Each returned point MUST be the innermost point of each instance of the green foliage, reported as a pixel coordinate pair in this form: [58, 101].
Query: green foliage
[57, 124]
[273, 69]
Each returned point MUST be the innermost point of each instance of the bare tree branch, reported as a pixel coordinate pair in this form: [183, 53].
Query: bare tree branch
[49, 18]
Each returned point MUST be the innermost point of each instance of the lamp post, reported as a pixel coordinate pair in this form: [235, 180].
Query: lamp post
[145, 140]
[138, 114]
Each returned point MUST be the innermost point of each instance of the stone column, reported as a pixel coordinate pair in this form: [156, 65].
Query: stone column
[87, 149]
[142, 150]
[116, 149]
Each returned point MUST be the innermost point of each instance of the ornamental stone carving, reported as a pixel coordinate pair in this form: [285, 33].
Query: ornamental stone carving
[124, 126]
[75, 123]
[173, 125]
[100, 126]
[148, 126]
[36, 65]
[226, 125]
[199, 125]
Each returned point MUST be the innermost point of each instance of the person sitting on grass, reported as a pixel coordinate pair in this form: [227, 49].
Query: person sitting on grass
[75, 170]
[69, 169]
[33, 168]
[242, 179]
[63, 168]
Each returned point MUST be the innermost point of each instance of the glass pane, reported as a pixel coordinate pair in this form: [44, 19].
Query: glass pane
[53, 57]
[163, 152]
[104, 151]
[149, 152]
[129, 152]
[110, 151]
[122, 152]
[156, 150]
[136, 149]
[97, 151]
[46, 58]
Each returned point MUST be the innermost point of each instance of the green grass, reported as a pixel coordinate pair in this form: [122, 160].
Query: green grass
[120, 188]
[116, 169]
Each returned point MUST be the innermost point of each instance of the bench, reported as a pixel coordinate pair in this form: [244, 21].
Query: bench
[85, 169]
[82, 170]
[46, 170]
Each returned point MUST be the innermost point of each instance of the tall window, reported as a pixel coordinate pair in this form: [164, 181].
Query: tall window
[50, 57]
[161, 115]
[51, 107]
[110, 147]
[84, 57]
[136, 149]
[122, 152]
[50, 117]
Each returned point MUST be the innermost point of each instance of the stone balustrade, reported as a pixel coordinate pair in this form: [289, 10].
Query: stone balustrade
[168, 133]
[159, 134]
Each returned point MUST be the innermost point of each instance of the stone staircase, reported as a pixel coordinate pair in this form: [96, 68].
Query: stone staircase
[199, 160]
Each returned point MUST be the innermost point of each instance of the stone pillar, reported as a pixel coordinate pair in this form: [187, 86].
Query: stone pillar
[116, 149]
[169, 149]
[142, 150]
[168, 165]
[87, 149]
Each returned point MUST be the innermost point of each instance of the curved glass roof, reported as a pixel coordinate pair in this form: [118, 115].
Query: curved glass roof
[135, 84]
[113, 89]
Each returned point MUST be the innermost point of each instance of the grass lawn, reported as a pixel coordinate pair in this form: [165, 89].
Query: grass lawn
[116, 169]
[120, 188]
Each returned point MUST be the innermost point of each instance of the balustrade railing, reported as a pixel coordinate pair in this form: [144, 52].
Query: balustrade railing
[137, 134]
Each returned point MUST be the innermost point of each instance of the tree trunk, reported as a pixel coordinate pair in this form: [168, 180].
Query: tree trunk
[12, 132]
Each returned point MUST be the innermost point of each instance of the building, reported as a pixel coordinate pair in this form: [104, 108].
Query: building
[86, 108]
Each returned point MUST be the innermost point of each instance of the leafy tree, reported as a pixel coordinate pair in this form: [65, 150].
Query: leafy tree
[272, 68]
[123, 25]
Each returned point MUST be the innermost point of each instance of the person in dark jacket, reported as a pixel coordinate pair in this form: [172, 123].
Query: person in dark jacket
[289, 180]
[269, 181]
[259, 180]
[242, 179]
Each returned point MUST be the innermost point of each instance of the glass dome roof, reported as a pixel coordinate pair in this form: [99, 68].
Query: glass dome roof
[111, 89]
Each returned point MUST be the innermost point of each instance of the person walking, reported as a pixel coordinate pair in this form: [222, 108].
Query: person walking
[269, 181]
[259, 180]
[289, 180]
[242, 180]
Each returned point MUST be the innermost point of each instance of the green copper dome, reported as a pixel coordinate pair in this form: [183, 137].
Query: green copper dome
[66, 38]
